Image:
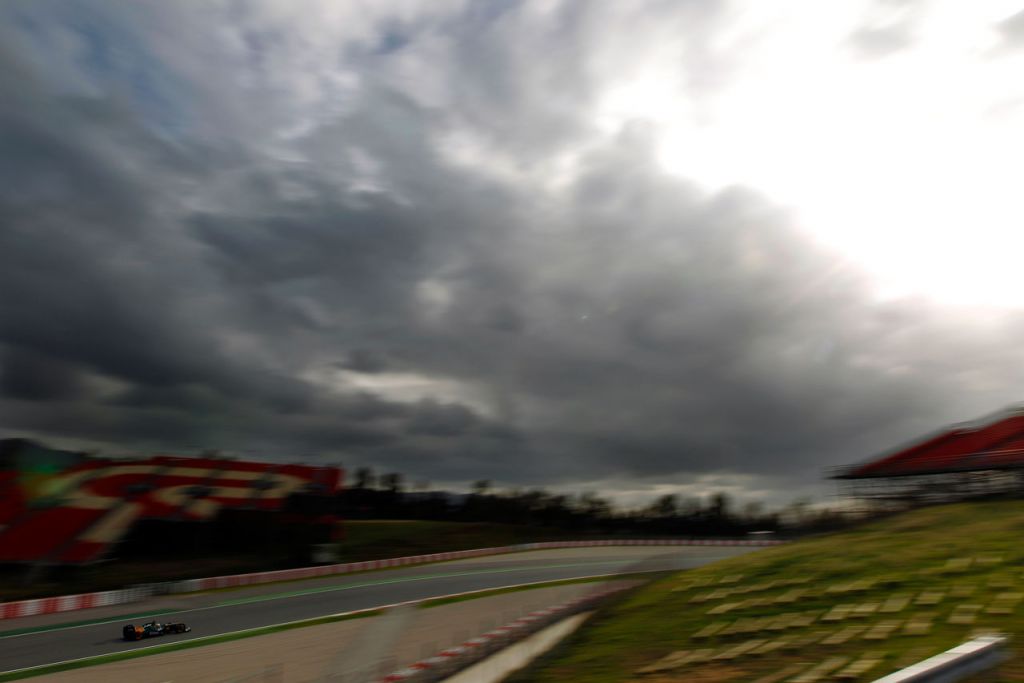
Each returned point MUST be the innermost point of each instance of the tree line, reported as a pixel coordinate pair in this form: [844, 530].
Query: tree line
[387, 496]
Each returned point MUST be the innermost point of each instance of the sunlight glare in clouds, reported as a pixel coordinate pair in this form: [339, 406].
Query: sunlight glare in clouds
[902, 160]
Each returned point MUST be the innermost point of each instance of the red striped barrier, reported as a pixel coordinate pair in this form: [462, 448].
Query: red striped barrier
[70, 603]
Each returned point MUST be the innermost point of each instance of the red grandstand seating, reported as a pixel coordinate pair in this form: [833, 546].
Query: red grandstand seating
[1014, 445]
[892, 462]
[977, 442]
[997, 444]
[43, 532]
[81, 552]
[273, 497]
[121, 481]
[157, 504]
[162, 487]
[12, 501]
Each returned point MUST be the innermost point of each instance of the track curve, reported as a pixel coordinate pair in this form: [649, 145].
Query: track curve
[24, 645]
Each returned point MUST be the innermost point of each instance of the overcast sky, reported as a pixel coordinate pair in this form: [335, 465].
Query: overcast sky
[633, 247]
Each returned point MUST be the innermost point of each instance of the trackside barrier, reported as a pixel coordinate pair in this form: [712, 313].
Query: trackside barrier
[67, 603]
[347, 568]
[451, 661]
[974, 656]
[326, 570]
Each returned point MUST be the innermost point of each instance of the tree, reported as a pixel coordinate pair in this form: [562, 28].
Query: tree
[665, 506]
[719, 506]
[393, 482]
[797, 512]
[365, 478]
[753, 511]
[690, 507]
[594, 506]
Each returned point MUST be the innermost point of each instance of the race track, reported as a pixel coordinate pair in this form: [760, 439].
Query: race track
[32, 642]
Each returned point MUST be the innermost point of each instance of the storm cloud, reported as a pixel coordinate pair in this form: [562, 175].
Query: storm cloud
[398, 235]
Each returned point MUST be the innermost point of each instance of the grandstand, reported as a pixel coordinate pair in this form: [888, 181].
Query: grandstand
[78, 515]
[973, 459]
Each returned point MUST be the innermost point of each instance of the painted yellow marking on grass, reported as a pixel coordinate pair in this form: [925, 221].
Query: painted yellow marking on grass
[864, 610]
[839, 613]
[896, 603]
[882, 630]
[667, 663]
[778, 676]
[738, 650]
[710, 630]
[918, 626]
[964, 614]
[843, 635]
[723, 608]
[867, 662]
[930, 598]
[771, 646]
[821, 671]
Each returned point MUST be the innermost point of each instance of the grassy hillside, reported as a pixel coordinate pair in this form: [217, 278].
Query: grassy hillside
[886, 595]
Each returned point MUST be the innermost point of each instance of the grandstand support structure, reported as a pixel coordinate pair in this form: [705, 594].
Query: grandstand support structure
[896, 493]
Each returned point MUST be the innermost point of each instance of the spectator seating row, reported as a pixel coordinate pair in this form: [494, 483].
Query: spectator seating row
[995, 445]
[91, 507]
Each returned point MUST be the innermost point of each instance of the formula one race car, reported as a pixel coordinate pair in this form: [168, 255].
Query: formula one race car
[153, 629]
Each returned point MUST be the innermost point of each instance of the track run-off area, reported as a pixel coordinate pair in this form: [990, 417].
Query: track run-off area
[50, 639]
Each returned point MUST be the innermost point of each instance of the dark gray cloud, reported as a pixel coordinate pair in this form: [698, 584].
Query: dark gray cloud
[339, 242]
[31, 377]
[364, 360]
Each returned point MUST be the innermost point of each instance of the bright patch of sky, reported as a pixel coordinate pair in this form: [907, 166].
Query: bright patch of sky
[904, 159]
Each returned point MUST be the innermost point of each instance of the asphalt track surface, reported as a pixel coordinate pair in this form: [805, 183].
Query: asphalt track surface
[220, 612]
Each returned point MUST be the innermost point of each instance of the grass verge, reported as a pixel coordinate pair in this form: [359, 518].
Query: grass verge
[935, 576]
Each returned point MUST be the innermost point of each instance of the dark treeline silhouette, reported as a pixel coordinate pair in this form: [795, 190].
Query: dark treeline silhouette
[387, 497]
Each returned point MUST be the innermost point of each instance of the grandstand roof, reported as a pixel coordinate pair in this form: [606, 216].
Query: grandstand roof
[990, 443]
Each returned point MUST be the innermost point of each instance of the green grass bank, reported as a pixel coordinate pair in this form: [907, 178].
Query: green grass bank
[850, 606]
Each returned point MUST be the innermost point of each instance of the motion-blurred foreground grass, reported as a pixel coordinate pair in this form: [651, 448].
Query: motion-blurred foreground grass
[850, 606]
